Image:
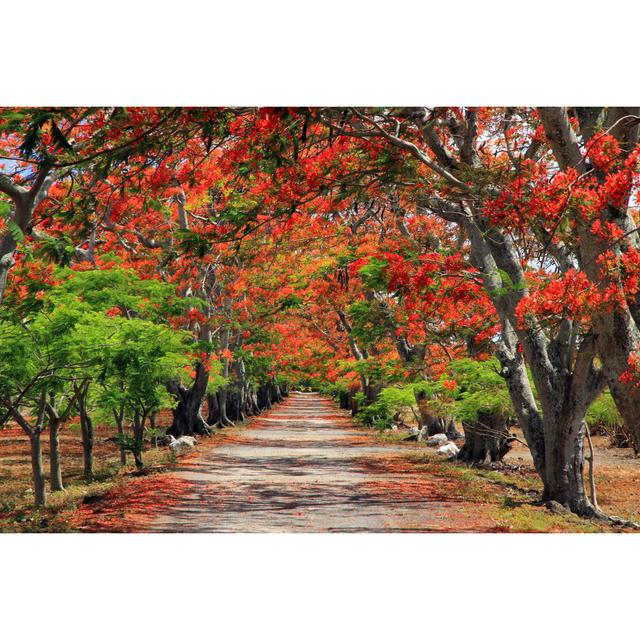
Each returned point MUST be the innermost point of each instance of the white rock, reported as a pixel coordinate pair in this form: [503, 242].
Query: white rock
[437, 440]
[184, 442]
[449, 449]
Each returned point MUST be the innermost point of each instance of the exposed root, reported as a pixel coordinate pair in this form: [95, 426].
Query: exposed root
[617, 522]
[589, 512]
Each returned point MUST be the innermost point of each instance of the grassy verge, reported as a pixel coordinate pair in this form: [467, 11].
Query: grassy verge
[17, 514]
[512, 498]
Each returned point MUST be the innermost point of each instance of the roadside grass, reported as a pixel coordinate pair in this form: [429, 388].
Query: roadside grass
[393, 437]
[510, 498]
[18, 515]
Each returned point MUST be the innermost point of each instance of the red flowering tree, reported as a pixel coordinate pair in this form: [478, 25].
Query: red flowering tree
[522, 188]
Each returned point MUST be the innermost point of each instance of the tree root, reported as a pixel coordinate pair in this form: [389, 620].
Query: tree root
[221, 424]
[589, 512]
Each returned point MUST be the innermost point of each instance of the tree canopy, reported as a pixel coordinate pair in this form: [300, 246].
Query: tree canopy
[455, 262]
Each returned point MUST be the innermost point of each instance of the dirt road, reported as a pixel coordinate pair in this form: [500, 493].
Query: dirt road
[304, 467]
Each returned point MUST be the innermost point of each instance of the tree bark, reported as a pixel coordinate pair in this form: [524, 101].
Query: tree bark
[486, 440]
[430, 423]
[37, 470]
[86, 428]
[223, 393]
[213, 408]
[564, 480]
[119, 417]
[138, 436]
[55, 467]
[223, 401]
[264, 397]
[253, 402]
[24, 202]
[187, 416]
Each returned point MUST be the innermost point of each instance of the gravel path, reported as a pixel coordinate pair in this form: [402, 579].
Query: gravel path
[303, 467]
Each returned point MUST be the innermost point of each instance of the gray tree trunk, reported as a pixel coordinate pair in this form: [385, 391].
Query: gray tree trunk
[187, 415]
[87, 447]
[24, 202]
[561, 366]
[223, 403]
[486, 440]
[86, 428]
[119, 418]
[617, 329]
[564, 465]
[37, 470]
[138, 435]
[54, 455]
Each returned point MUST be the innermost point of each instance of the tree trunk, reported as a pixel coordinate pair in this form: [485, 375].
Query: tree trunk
[247, 407]
[119, 416]
[618, 339]
[371, 392]
[7, 260]
[37, 470]
[234, 405]
[54, 455]
[264, 397]
[223, 396]
[253, 402]
[86, 427]
[564, 456]
[213, 409]
[187, 416]
[432, 424]
[223, 401]
[242, 385]
[138, 436]
[353, 402]
[486, 440]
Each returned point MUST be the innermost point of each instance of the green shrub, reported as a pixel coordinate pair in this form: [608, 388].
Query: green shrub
[381, 413]
[603, 417]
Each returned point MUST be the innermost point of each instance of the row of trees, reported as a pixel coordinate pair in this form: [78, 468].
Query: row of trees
[481, 261]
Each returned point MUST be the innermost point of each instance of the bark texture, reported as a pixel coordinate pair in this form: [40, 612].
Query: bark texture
[485, 440]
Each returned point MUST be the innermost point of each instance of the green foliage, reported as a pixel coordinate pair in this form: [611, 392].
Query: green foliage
[191, 242]
[16, 232]
[75, 337]
[138, 361]
[480, 389]
[603, 413]
[118, 288]
[603, 416]
[508, 286]
[5, 209]
[368, 323]
[376, 370]
[373, 274]
[381, 413]
[60, 248]
[291, 302]
[466, 390]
